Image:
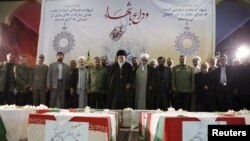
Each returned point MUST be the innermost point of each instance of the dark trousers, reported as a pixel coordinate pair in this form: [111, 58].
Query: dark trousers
[130, 99]
[24, 98]
[8, 97]
[182, 101]
[162, 96]
[150, 100]
[244, 98]
[96, 100]
[39, 97]
[224, 98]
[72, 100]
[48, 98]
[206, 101]
[104, 99]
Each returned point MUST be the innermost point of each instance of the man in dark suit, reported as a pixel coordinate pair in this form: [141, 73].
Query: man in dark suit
[205, 96]
[57, 80]
[224, 81]
[162, 84]
[7, 80]
[72, 97]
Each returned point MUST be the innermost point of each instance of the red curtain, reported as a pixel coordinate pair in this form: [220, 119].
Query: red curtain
[21, 36]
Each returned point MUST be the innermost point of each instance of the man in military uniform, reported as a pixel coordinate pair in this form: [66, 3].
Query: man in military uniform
[7, 80]
[22, 77]
[38, 81]
[95, 78]
[182, 84]
[106, 66]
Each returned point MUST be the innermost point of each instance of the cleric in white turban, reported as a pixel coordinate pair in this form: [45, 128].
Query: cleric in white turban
[143, 75]
[80, 78]
[144, 56]
[196, 63]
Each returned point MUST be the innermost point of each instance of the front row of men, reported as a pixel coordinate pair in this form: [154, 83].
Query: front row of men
[120, 85]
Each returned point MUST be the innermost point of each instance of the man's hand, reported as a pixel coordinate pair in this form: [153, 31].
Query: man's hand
[71, 91]
[128, 86]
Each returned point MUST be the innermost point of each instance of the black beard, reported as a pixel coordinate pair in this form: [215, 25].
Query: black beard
[59, 60]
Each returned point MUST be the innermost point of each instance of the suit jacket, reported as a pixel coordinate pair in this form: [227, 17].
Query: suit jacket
[52, 76]
[167, 77]
[3, 73]
[202, 80]
[231, 78]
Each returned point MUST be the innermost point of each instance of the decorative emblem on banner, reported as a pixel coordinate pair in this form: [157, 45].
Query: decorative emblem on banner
[64, 41]
[132, 47]
[189, 38]
[117, 32]
[128, 15]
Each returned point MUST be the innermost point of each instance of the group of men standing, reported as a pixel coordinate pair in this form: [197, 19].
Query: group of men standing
[120, 85]
[18, 82]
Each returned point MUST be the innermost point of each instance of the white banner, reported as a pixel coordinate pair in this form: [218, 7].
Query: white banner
[101, 27]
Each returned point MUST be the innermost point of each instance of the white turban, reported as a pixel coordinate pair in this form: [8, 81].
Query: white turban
[82, 57]
[144, 55]
[197, 58]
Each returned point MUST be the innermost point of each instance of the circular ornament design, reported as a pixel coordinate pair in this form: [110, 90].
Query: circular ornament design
[195, 43]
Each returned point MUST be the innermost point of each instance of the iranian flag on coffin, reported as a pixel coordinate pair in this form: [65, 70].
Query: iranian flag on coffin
[99, 127]
[143, 123]
[178, 128]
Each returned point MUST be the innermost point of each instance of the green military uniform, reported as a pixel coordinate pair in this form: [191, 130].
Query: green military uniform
[183, 78]
[38, 83]
[95, 78]
[22, 77]
[183, 84]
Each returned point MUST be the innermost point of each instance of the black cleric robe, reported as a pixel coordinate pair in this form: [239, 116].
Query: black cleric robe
[118, 96]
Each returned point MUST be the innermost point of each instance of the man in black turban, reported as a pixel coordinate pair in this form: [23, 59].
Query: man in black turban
[119, 83]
